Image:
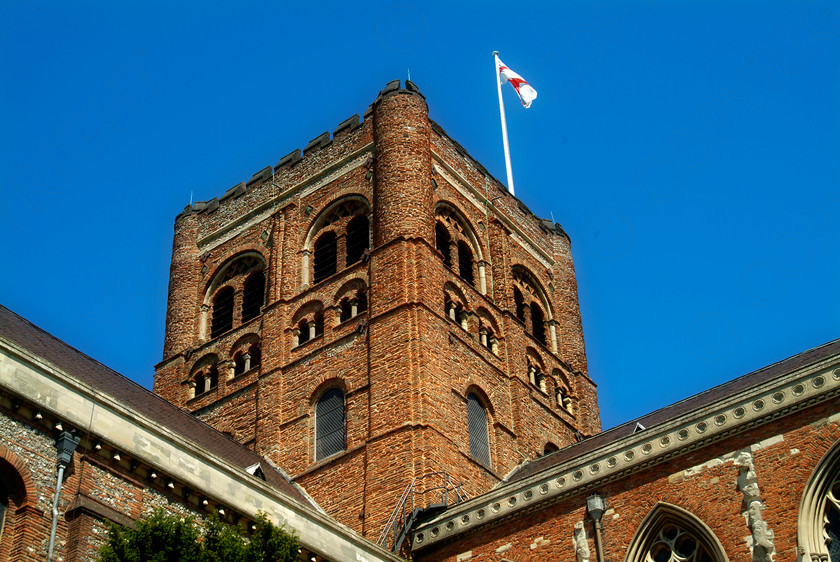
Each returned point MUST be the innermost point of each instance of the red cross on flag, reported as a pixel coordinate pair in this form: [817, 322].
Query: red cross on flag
[526, 93]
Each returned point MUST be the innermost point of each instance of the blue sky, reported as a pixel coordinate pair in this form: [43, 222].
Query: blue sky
[689, 148]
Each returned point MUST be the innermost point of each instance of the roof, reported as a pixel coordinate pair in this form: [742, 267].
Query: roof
[122, 390]
[668, 413]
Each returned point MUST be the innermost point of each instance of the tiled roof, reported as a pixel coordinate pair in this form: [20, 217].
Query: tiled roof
[124, 391]
[696, 402]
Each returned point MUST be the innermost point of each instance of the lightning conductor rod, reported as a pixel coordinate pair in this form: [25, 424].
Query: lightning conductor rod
[504, 124]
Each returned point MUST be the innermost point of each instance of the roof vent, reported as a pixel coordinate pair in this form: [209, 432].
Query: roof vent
[639, 427]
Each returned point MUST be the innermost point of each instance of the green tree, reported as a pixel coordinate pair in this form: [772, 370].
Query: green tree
[163, 537]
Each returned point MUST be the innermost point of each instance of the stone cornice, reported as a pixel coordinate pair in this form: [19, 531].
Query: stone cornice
[739, 412]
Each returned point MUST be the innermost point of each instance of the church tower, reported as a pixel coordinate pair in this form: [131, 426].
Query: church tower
[377, 310]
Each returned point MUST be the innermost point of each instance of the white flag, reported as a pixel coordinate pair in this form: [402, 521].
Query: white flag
[526, 93]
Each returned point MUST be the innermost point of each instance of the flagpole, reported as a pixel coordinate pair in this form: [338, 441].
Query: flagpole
[504, 125]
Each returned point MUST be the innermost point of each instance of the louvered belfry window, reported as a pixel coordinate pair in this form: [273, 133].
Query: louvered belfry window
[329, 424]
[222, 312]
[253, 296]
[477, 426]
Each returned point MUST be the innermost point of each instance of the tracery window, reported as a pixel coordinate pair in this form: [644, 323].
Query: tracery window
[675, 544]
[477, 429]
[818, 525]
[672, 534]
[329, 424]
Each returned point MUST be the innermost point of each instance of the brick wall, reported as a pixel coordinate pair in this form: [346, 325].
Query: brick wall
[405, 365]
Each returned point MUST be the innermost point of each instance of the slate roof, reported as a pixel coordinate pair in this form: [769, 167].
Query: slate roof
[122, 390]
[696, 402]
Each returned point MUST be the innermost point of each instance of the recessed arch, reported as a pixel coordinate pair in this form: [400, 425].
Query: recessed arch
[452, 227]
[239, 264]
[341, 219]
[363, 206]
[671, 529]
[531, 304]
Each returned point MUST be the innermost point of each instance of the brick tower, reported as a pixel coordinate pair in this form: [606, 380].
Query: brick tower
[374, 309]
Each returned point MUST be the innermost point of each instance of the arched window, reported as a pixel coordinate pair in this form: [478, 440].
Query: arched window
[310, 329]
[819, 510]
[14, 521]
[477, 428]
[537, 323]
[329, 424]
[222, 312]
[550, 448]
[465, 262]
[442, 243]
[206, 380]
[672, 534]
[253, 295]
[358, 238]
[326, 257]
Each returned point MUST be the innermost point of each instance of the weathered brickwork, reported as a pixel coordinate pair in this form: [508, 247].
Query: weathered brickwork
[425, 338]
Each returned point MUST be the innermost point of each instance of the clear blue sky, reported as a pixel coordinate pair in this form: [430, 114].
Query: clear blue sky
[689, 148]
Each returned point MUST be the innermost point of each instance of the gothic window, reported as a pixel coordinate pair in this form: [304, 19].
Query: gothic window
[675, 544]
[222, 312]
[253, 295]
[672, 534]
[818, 525]
[329, 424]
[442, 243]
[477, 429]
[326, 256]
[358, 238]
[465, 262]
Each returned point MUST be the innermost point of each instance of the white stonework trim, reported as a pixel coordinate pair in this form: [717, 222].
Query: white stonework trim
[464, 188]
[737, 413]
[61, 395]
[311, 184]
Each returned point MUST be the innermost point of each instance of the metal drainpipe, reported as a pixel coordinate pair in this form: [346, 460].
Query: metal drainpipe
[66, 444]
